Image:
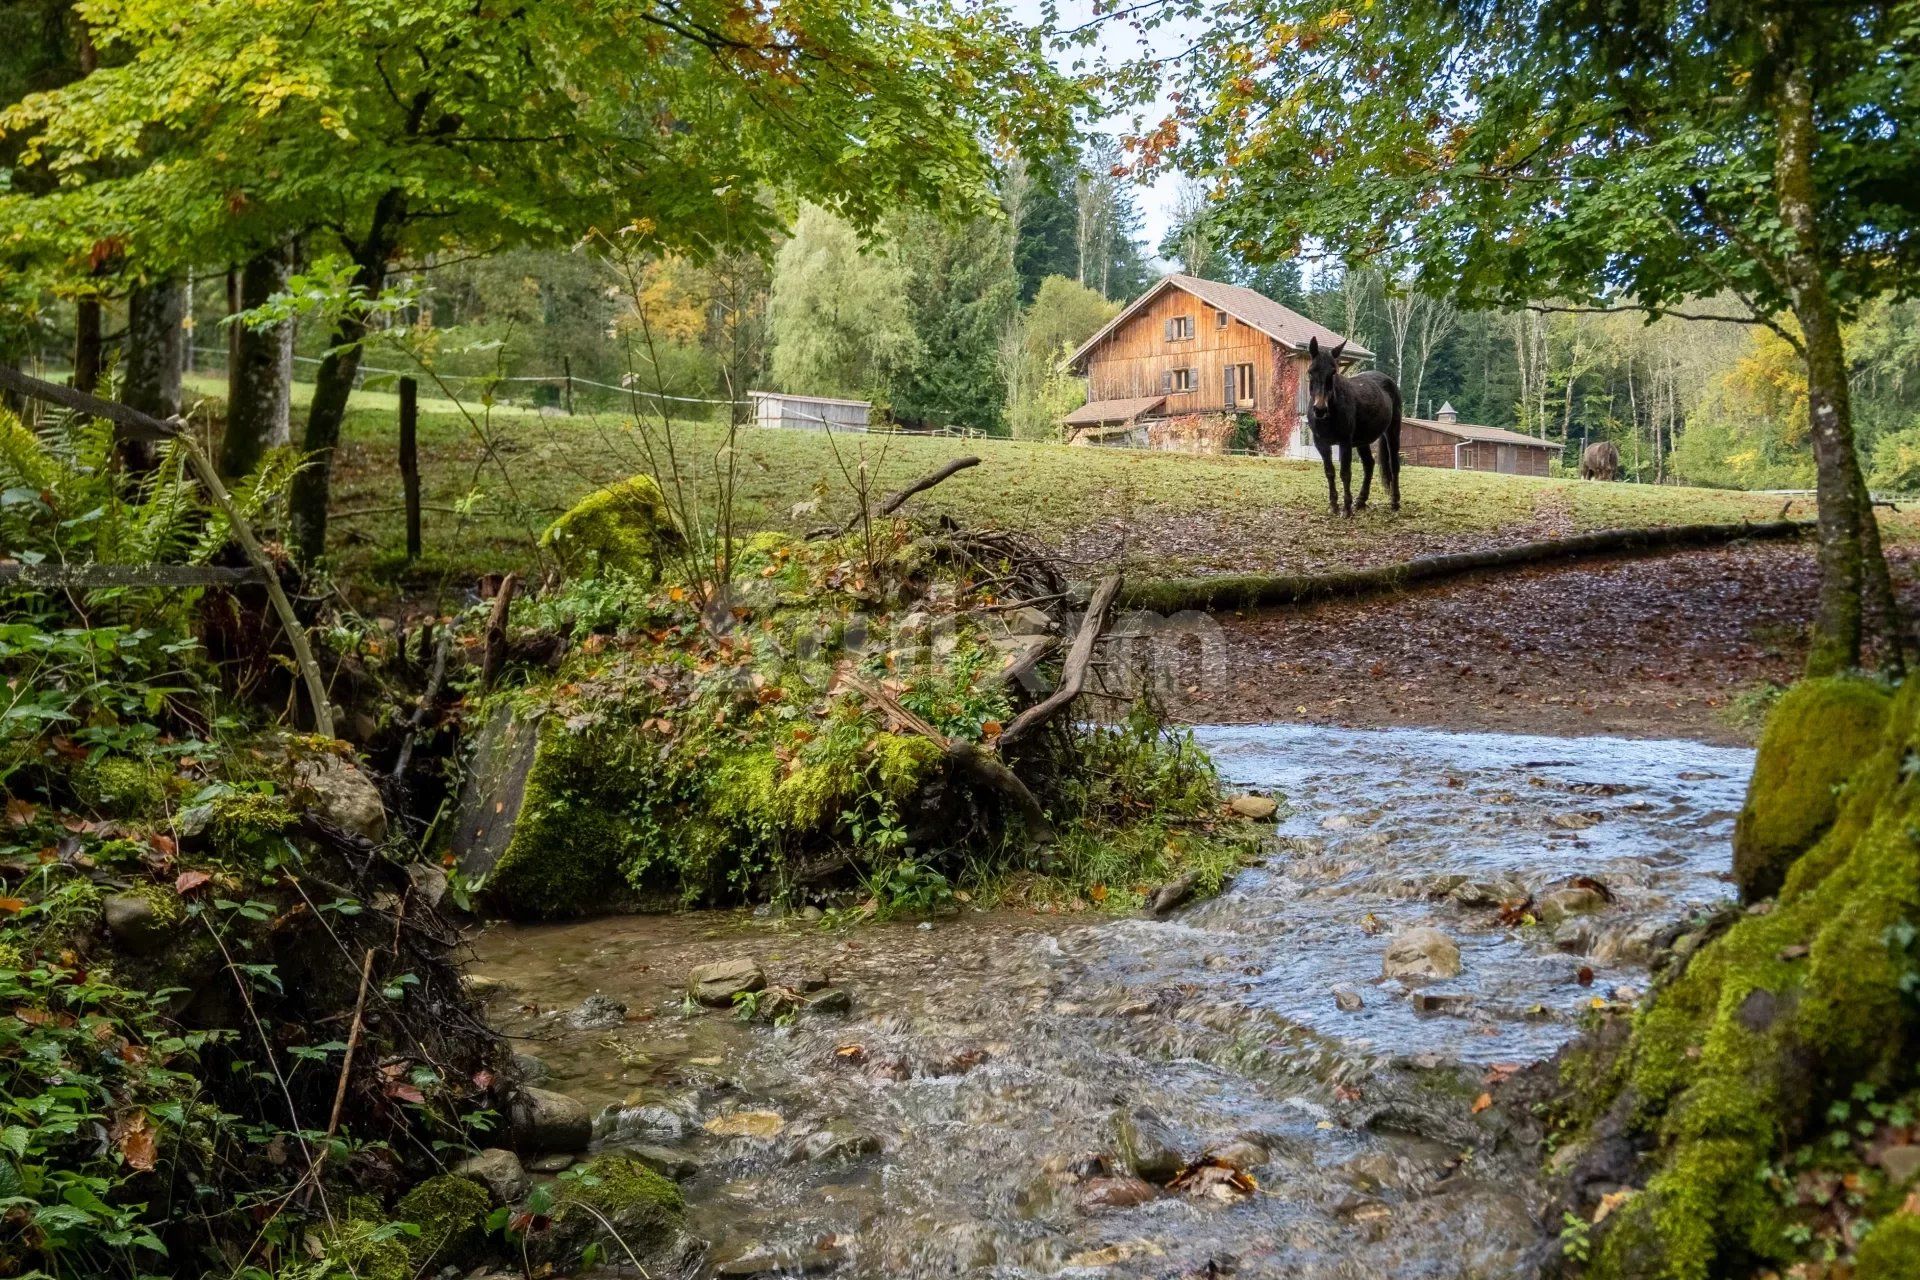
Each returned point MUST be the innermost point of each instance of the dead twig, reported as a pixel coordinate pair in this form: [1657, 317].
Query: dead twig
[353, 1043]
[496, 647]
[894, 501]
[1073, 672]
[418, 720]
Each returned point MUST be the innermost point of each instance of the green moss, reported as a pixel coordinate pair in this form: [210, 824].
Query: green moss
[1892, 1252]
[624, 528]
[616, 1202]
[1816, 736]
[120, 787]
[451, 1213]
[242, 821]
[367, 1250]
[1732, 1060]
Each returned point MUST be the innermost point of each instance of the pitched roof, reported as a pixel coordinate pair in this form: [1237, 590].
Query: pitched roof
[1491, 435]
[1100, 411]
[1283, 324]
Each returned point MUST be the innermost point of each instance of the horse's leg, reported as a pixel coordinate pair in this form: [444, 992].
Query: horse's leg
[1326, 460]
[1346, 473]
[1390, 450]
[1366, 475]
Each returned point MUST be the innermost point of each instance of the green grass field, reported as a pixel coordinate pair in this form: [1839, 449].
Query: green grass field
[491, 481]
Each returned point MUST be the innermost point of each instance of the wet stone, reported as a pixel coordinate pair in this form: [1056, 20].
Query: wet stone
[1147, 1146]
[542, 1120]
[768, 1261]
[559, 1162]
[1452, 1003]
[1347, 1000]
[136, 923]
[1171, 895]
[652, 1122]
[1560, 904]
[1901, 1164]
[1243, 1154]
[1116, 1193]
[499, 1171]
[835, 1142]
[715, 985]
[664, 1161]
[597, 1013]
[1258, 808]
[830, 1000]
[1421, 953]
[530, 1069]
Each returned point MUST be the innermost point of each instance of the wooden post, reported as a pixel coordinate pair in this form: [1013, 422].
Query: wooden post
[410, 462]
[566, 362]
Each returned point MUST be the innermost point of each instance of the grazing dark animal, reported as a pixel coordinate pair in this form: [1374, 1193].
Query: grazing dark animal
[1600, 461]
[1353, 413]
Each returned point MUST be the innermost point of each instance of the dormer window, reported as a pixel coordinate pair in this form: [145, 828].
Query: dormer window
[1180, 329]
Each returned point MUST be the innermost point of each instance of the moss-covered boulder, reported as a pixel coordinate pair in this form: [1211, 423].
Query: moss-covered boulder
[624, 528]
[121, 787]
[1738, 1055]
[616, 1202]
[1815, 737]
[1892, 1252]
[451, 1213]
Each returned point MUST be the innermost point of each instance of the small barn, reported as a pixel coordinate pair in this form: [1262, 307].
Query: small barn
[1445, 441]
[808, 413]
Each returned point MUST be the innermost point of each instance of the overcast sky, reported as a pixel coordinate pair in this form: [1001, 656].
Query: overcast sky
[1118, 41]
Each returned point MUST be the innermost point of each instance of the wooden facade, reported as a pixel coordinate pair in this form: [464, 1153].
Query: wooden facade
[808, 413]
[1206, 353]
[1445, 441]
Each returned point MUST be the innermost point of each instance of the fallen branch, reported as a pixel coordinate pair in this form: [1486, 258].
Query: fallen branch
[894, 501]
[418, 720]
[496, 646]
[981, 766]
[1073, 672]
[353, 1043]
[1263, 590]
[145, 427]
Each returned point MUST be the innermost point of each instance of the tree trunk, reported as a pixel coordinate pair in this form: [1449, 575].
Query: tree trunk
[259, 372]
[156, 342]
[333, 384]
[86, 345]
[1845, 513]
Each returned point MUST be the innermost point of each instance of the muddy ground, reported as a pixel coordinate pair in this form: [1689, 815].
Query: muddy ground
[1664, 647]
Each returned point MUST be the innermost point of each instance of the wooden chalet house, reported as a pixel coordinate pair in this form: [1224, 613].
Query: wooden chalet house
[1180, 364]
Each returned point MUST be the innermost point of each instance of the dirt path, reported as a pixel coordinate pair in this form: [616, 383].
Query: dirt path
[1637, 647]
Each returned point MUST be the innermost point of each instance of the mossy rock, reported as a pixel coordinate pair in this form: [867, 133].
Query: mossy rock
[613, 1201]
[1892, 1252]
[624, 528]
[1815, 737]
[367, 1250]
[451, 1212]
[1736, 1058]
[121, 787]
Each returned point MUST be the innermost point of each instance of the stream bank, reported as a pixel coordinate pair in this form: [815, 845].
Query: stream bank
[976, 1109]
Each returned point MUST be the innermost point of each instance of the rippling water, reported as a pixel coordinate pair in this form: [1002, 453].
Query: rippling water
[989, 1056]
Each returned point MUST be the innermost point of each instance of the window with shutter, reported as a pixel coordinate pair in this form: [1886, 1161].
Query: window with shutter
[1166, 382]
[1231, 399]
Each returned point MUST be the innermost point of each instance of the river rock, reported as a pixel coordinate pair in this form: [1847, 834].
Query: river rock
[1258, 808]
[137, 922]
[717, 984]
[768, 1261]
[1147, 1145]
[1576, 935]
[542, 1120]
[1172, 894]
[830, 1000]
[1347, 1000]
[337, 790]
[556, 1162]
[1901, 1164]
[664, 1161]
[499, 1171]
[1487, 893]
[1243, 1154]
[1447, 1002]
[813, 980]
[1116, 1193]
[597, 1013]
[835, 1142]
[1421, 953]
[617, 1124]
[1551, 908]
[529, 1069]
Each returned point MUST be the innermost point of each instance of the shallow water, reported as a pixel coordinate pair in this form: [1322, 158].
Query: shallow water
[988, 1054]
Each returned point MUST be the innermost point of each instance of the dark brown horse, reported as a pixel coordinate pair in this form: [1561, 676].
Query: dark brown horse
[1352, 413]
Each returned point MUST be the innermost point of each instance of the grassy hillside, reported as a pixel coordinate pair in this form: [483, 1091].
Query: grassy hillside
[491, 481]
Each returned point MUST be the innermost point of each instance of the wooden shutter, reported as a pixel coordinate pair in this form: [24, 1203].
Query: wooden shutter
[1166, 379]
[1231, 398]
[1169, 330]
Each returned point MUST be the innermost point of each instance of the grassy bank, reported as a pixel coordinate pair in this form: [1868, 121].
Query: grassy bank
[491, 481]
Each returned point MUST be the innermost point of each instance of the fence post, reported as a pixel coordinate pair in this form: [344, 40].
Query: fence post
[566, 362]
[410, 462]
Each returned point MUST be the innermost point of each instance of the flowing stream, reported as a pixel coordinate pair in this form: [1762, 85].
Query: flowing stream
[954, 1122]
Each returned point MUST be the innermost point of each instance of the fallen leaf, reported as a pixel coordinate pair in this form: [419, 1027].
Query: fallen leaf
[12, 906]
[1482, 1102]
[20, 813]
[187, 881]
[746, 1124]
[1585, 976]
[133, 1135]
